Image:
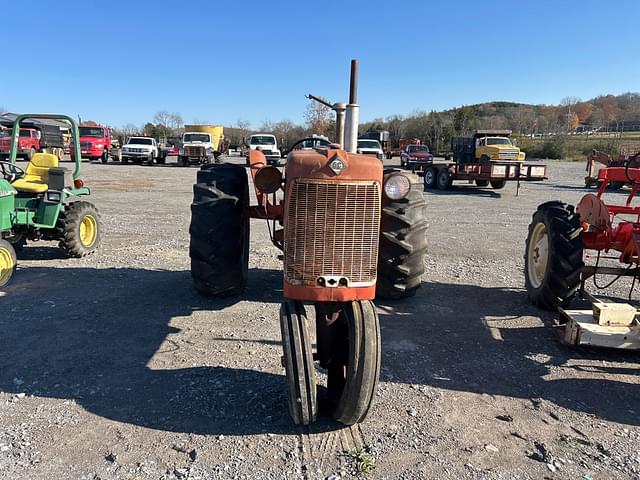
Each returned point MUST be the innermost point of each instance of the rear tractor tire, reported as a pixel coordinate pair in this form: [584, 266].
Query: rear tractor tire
[298, 363]
[403, 245]
[553, 258]
[8, 262]
[219, 247]
[79, 226]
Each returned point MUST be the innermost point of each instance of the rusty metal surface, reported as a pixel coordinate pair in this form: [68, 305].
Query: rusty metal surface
[331, 230]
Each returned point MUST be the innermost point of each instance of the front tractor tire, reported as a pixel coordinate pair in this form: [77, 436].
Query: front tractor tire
[553, 258]
[219, 247]
[8, 262]
[352, 375]
[79, 227]
[298, 363]
[403, 245]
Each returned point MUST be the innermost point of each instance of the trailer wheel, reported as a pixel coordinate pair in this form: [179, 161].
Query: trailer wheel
[355, 365]
[553, 255]
[445, 179]
[482, 183]
[8, 262]
[219, 247]
[403, 246]
[430, 178]
[498, 184]
[298, 362]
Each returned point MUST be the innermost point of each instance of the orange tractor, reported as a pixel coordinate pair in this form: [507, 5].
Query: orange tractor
[562, 239]
[348, 229]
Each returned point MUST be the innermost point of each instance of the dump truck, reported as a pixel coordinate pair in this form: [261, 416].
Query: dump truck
[200, 144]
[486, 158]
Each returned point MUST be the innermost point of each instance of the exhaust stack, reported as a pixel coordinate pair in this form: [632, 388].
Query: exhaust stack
[352, 116]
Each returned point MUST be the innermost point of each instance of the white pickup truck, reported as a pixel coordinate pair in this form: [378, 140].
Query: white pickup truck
[268, 144]
[139, 150]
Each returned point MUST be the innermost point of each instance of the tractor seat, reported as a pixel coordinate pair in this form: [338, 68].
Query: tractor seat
[36, 177]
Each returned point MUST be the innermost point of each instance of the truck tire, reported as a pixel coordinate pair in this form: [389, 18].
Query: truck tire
[79, 228]
[403, 246]
[219, 247]
[482, 183]
[430, 178]
[498, 184]
[124, 160]
[445, 179]
[553, 257]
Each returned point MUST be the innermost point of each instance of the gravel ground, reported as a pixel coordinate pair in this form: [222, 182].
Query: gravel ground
[114, 368]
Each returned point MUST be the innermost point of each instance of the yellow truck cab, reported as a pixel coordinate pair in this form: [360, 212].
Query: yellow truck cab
[496, 145]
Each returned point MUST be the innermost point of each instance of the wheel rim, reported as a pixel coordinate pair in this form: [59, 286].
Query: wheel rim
[538, 255]
[6, 265]
[428, 177]
[88, 230]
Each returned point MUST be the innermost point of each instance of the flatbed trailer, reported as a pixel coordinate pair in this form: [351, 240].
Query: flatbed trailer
[441, 173]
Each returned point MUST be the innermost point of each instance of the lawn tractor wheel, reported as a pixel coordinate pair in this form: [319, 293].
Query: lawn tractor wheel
[219, 229]
[444, 179]
[430, 176]
[482, 183]
[298, 362]
[79, 225]
[498, 184]
[354, 369]
[17, 240]
[553, 257]
[8, 262]
[403, 246]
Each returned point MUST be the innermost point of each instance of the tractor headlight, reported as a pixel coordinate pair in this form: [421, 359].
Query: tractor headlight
[397, 186]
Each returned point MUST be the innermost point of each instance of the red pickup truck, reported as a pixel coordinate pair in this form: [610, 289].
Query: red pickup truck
[28, 142]
[95, 143]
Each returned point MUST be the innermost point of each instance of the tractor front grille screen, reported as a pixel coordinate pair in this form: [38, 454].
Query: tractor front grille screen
[331, 231]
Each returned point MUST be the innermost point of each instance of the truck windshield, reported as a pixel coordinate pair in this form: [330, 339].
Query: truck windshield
[262, 140]
[418, 149]
[196, 137]
[368, 144]
[140, 141]
[91, 132]
[498, 141]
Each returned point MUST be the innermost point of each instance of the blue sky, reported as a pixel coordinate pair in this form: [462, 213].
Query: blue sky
[120, 62]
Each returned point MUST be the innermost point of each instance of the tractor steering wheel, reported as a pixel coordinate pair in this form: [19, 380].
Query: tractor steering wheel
[10, 171]
[323, 143]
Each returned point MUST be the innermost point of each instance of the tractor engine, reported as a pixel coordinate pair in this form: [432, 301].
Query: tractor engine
[331, 220]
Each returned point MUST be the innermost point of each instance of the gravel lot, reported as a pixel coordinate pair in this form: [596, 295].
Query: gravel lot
[112, 367]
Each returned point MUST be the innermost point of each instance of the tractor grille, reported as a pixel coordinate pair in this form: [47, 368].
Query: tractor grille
[331, 230]
[194, 151]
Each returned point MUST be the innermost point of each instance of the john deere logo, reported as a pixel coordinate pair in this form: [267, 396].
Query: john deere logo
[337, 165]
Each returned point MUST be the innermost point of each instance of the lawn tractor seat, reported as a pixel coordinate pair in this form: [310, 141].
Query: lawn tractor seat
[36, 177]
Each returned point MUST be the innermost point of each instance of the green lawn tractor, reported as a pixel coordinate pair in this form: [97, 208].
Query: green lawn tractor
[44, 202]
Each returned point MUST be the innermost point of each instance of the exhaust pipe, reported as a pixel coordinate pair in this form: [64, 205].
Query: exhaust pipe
[352, 116]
